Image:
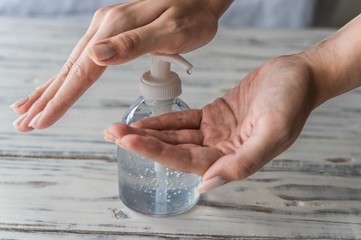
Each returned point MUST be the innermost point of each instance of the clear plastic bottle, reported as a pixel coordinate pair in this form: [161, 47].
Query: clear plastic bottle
[144, 185]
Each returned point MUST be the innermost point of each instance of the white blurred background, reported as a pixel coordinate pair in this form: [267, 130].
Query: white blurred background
[254, 13]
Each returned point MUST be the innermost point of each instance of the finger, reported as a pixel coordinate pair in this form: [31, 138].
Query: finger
[171, 137]
[39, 104]
[68, 71]
[78, 75]
[36, 102]
[185, 158]
[60, 95]
[23, 105]
[82, 75]
[188, 119]
[137, 41]
[123, 47]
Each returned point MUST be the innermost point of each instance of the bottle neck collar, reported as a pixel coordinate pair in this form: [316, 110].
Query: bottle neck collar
[160, 103]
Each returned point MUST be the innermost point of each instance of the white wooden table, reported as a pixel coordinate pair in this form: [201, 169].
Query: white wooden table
[61, 183]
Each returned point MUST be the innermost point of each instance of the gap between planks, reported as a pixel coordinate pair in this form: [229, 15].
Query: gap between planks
[63, 157]
[154, 234]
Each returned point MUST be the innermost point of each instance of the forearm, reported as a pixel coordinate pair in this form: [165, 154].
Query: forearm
[336, 62]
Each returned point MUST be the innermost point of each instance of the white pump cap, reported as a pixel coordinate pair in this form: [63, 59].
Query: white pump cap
[160, 83]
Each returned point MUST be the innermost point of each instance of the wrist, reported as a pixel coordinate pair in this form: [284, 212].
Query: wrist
[335, 62]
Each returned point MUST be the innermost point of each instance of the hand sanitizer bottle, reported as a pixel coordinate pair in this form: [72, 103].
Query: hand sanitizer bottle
[144, 185]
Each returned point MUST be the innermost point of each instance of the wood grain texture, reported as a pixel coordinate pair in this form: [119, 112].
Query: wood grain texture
[61, 183]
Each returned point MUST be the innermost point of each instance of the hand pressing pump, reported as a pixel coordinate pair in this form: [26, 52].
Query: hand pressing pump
[144, 185]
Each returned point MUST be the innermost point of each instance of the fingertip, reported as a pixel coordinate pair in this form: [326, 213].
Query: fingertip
[91, 53]
[101, 52]
[122, 48]
[118, 130]
[21, 125]
[211, 184]
[227, 167]
[137, 124]
[34, 122]
[23, 129]
[18, 121]
[119, 143]
[21, 106]
[43, 119]
[19, 110]
[127, 142]
[109, 138]
[19, 103]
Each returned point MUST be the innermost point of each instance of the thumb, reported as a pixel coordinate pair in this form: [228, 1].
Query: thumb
[124, 47]
[245, 161]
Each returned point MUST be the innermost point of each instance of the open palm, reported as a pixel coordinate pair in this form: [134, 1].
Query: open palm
[237, 134]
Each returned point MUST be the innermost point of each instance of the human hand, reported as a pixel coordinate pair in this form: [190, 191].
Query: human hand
[261, 117]
[234, 136]
[118, 34]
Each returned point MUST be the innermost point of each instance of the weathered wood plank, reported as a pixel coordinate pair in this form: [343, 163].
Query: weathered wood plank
[287, 199]
[53, 235]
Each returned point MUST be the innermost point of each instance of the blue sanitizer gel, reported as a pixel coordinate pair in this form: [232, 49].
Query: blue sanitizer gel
[144, 185]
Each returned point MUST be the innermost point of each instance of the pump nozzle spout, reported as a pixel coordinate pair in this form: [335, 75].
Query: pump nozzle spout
[160, 83]
[161, 65]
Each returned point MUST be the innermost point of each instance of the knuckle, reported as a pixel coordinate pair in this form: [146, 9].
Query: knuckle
[79, 72]
[100, 13]
[97, 20]
[114, 13]
[85, 39]
[190, 162]
[67, 67]
[183, 164]
[76, 70]
[128, 43]
[37, 93]
[40, 103]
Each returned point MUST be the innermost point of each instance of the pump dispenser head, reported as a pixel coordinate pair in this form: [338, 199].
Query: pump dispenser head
[160, 83]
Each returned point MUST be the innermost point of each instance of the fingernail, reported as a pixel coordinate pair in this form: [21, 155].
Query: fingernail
[20, 119]
[211, 184]
[108, 136]
[101, 52]
[35, 120]
[19, 102]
